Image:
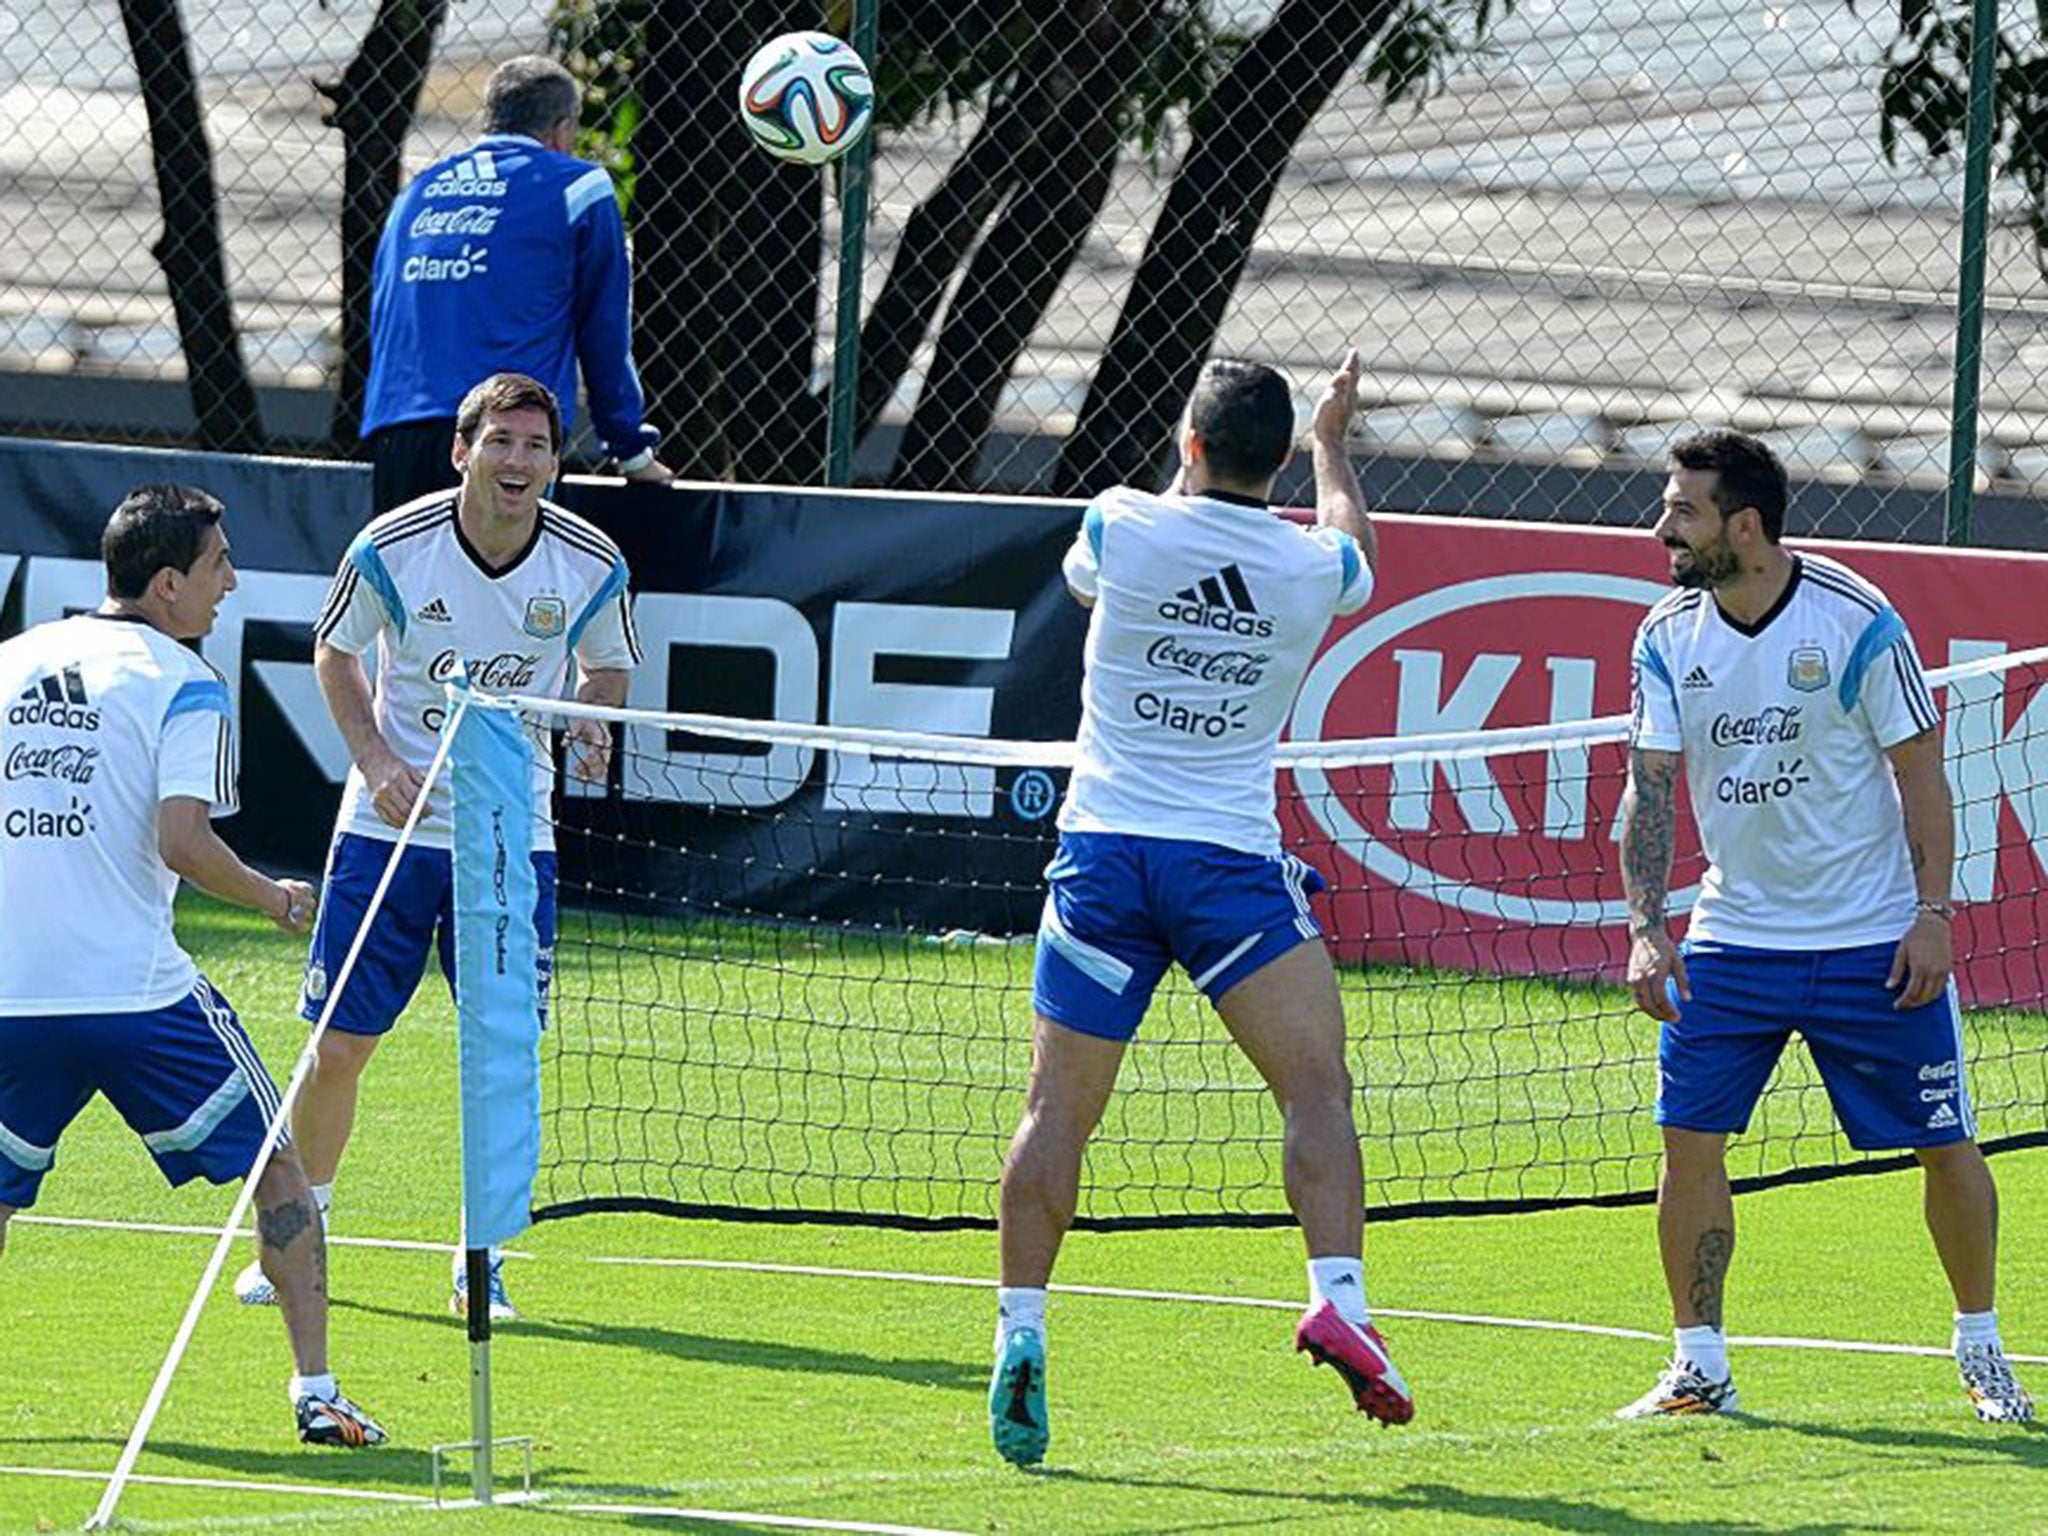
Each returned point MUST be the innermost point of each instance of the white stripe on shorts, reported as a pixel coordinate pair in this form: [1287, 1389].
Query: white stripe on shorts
[241, 1050]
[23, 1153]
[204, 1120]
[1202, 981]
[1099, 966]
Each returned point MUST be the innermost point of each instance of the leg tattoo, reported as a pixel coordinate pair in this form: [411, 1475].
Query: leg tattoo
[1709, 1268]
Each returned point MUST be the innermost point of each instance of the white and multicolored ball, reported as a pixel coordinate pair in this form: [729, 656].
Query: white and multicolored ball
[807, 97]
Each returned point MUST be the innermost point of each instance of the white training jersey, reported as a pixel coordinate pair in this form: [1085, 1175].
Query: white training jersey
[105, 716]
[1784, 725]
[1207, 613]
[414, 586]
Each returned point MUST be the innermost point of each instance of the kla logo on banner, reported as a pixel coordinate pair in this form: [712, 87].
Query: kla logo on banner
[1539, 820]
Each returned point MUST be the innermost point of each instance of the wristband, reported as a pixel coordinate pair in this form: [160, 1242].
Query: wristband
[637, 462]
[1945, 910]
[286, 915]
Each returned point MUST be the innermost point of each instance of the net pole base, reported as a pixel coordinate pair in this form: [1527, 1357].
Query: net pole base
[483, 1454]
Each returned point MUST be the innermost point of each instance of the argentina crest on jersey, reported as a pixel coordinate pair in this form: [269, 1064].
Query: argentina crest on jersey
[547, 616]
[1806, 667]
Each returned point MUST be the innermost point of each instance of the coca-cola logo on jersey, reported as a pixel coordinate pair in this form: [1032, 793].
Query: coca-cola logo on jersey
[1777, 723]
[506, 672]
[70, 763]
[1241, 668]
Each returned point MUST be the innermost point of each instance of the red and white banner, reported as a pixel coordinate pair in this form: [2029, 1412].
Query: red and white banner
[1510, 863]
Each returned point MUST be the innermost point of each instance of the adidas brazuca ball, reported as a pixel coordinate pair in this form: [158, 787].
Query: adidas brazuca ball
[806, 96]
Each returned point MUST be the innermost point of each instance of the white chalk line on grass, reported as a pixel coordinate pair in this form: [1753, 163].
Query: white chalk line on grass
[223, 1484]
[421, 1501]
[1111, 1292]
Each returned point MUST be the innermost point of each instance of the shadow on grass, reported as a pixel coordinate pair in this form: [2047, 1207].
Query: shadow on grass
[1441, 1500]
[951, 1375]
[392, 1467]
[2026, 1444]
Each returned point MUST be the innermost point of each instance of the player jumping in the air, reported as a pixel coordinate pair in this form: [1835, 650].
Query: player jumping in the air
[1207, 609]
[119, 746]
[1790, 687]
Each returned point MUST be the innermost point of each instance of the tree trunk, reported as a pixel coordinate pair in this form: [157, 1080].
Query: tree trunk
[373, 104]
[728, 244]
[1241, 142]
[1024, 126]
[189, 250]
[1008, 286]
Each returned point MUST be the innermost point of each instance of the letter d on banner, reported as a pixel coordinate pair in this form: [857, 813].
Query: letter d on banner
[497, 975]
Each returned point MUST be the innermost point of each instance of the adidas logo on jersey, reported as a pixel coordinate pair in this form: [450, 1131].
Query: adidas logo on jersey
[1696, 679]
[1221, 602]
[472, 176]
[1943, 1117]
[58, 700]
[434, 612]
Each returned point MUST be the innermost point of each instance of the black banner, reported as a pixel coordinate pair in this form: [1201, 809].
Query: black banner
[850, 609]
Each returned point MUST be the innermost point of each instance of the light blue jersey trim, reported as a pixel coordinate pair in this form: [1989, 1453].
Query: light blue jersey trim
[1654, 665]
[1878, 636]
[614, 584]
[586, 190]
[204, 1120]
[202, 693]
[1347, 551]
[1091, 524]
[369, 564]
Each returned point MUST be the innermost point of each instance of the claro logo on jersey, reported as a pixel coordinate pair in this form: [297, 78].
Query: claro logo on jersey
[1221, 602]
[31, 823]
[59, 701]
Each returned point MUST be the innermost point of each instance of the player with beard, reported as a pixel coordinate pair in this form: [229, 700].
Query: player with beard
[1790, 689]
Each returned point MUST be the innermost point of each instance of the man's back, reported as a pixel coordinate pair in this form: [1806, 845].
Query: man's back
[507, 257]
[103, 717]
[1207, 614]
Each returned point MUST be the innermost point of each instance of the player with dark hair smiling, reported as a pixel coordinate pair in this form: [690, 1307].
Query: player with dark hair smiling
[119, 750]
[1789, 687]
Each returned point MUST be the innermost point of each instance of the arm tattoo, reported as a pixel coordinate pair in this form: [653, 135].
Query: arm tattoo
[1709, 1268]
[1648, 833]
[282, 1225]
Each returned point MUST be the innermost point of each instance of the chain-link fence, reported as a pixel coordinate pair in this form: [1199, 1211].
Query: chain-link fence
[1575, 231]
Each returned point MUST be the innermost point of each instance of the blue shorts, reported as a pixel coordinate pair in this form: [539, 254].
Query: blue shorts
[1121, 909]
[1895, 1078]
[185, 1077]
[418, 914]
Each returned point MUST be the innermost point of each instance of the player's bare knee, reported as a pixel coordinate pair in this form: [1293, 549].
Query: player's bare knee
[283, 1182]
[6, 1211]
[342, 1056]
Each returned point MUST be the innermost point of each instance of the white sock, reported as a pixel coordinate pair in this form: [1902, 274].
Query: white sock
[1019, 1307]
[1703, 1348]
[1341, 1282]
[323, 1197]
[1979, 1328]
[323, 1386]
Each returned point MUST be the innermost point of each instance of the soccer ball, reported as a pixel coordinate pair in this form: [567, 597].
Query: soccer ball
[807, 97]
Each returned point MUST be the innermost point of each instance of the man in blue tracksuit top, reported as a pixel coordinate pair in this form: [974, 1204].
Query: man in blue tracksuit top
[507, 258]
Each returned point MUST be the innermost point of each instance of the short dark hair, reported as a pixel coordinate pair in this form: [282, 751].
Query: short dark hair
[1244, 414]
[529, 95]
[503, 392]
[155, 527]
[1747, 474]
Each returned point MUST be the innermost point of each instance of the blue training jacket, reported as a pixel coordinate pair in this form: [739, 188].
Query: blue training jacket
[505, 258]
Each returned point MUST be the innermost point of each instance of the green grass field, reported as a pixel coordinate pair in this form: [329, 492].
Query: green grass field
[716, 1382]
